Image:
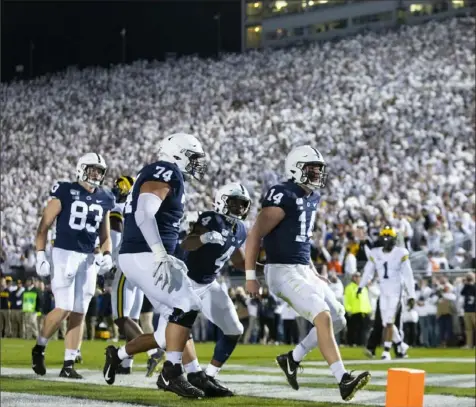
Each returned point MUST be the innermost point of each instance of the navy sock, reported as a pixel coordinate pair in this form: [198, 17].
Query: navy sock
[225, 347]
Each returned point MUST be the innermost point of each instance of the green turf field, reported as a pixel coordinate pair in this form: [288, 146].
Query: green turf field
[251, 372]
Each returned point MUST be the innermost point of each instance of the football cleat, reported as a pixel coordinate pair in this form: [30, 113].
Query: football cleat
[201, 381]
[370, 354]
[38, 360]
[289, 367]
[225, 391]
[69, 373]
[153, 363]
[111, 365]
[349, 385]
[386, 356]
[123, 370]
[172, 379]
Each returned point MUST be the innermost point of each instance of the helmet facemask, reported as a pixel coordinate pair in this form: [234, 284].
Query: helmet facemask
[314, 174]
[236, 206]
[196, 166]
[93, 174]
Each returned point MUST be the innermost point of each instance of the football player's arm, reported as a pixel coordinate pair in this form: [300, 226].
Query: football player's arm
[52, 210]
[267, 220]
[368, 275]
[116, 221]
[408, 279]
[105, 235]
[238, 259]
[192, 241]
[151, 196]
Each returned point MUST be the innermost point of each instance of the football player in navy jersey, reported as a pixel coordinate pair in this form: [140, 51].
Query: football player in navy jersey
[152, 216]
[126, 298]
[216, 237]
[285, 225]
[81, 210]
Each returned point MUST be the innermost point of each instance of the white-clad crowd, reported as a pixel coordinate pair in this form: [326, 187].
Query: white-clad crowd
[392, 113]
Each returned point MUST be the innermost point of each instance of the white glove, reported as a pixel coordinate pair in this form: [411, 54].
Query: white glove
[213, 238]
[103, 263]
[168, 266]
[42, 265]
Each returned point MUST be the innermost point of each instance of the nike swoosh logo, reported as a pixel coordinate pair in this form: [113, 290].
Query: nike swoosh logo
[67, 373]
[106, 376]
[291, 372]
[33, 366]
[98, 201]
[165, 381]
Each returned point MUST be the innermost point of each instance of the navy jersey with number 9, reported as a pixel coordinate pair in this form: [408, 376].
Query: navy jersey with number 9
[82, 212]
[204, 263]
[289, 242]
[169, 215]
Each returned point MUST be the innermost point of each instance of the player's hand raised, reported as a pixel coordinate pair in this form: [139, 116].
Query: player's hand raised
[252, 287]
[213, 238]
[42, 265]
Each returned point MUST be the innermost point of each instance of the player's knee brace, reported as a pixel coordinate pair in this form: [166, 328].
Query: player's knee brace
[185, 319]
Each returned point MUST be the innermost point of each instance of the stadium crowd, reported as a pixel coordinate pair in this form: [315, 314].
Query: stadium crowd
[392, 113]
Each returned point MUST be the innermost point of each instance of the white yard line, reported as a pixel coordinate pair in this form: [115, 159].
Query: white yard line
[255, 385]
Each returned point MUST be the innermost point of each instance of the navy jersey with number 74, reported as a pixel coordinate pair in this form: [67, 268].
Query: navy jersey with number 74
[289, 242]
[169, 215]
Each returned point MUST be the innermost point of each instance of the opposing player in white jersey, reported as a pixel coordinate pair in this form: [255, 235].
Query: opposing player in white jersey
[81, 210]
[394, 270]
[285, 225]
[126, 298]
[152, 217]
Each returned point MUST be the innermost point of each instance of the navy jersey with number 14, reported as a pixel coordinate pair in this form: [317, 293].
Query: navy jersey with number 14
[169, 215]
[204, 263]
[289, 242]
[82, 212]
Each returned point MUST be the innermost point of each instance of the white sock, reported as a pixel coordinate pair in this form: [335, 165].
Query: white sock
[78, 352]
[338, 370]
[212, 371]
[396, 338]
[192, 367]
[122, 353]
[151, 352]
[70, 354]
[305, 346]
[42, 341]
[174, 357]
[127, 362]
[387, 346]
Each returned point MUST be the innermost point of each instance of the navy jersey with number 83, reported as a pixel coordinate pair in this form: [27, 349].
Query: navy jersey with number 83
[82, 212]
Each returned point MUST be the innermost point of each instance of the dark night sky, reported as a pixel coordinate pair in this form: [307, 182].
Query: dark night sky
[88, 33]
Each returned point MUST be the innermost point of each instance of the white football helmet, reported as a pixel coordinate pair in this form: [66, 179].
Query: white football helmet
[186, 151]
[86, 163]
[305, 165]
[232, 200]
